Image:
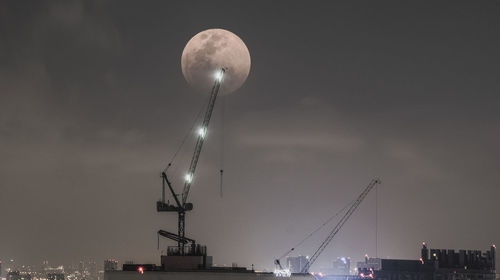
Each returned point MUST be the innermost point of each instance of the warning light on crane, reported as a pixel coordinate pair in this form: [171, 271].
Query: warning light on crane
[218, 75]
[188, 178]
[202, 132]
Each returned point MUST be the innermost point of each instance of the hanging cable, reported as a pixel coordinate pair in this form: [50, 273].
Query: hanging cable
[185, 137]
[221, 171]
[376, 221]
[221, 179]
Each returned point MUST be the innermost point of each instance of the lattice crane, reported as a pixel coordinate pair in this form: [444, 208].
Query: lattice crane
[339, 225]
[182, 206]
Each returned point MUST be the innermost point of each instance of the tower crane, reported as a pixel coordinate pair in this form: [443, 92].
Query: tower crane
[339, 225]
[182, 206]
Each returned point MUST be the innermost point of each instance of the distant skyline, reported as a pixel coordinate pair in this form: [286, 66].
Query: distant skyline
[93, 106]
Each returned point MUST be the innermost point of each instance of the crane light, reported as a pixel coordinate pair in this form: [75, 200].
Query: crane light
[219, 75]
[188, 177]
[202, 132]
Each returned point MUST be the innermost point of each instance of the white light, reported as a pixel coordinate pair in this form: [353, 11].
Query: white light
[188, 177]
[282, 273]
[202, 132]
[219, 75]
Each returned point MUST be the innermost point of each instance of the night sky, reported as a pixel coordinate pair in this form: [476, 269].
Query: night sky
[93, 106]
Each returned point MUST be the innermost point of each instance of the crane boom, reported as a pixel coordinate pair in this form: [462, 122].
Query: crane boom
[339, 225]
[201, 135]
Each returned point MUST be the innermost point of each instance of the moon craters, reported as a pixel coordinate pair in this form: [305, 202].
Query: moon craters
[210, 50]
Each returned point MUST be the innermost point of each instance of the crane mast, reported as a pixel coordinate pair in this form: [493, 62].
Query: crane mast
[339, 225]
[181, 206]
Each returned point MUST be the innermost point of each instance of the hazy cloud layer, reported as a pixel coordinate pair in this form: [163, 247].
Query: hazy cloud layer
[93, 105]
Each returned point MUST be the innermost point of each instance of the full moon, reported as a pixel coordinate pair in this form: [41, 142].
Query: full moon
[210, 50]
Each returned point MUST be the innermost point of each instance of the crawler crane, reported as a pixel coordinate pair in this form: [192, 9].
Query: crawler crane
[280, 271]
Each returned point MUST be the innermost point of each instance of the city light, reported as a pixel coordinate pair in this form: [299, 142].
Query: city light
[282, 272]
[370, 275]
[140, 269]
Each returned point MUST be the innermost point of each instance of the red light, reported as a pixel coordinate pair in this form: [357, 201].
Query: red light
[140, 269]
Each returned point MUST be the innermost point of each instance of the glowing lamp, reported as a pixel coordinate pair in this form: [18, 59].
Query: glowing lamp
[219, 75]
[202, 132]
[188, 178]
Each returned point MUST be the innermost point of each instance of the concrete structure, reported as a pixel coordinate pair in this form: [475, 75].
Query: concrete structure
[199, 274]
[185, 262]
[296, 264]
[341, 266]
[435, 264]
[373, 263]
[110, 265]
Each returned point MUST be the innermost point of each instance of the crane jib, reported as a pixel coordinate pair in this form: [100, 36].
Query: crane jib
[201, 135]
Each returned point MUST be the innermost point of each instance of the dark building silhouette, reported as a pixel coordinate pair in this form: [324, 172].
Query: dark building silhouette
[341, 266]
[110, 265]
[296, 264]
[16, 275]
[92, 270]
[55, 276]
[437, 264]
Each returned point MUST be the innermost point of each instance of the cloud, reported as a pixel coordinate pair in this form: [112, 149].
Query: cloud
[303, 140]
[284, 135]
